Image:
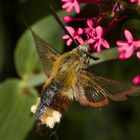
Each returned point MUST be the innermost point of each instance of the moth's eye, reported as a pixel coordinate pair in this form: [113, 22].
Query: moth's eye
[66, 59]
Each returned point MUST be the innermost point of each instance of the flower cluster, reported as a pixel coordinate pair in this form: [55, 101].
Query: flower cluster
[127, 48]
[94, 36]
[75, 34]
[70, 5]
[94, 32]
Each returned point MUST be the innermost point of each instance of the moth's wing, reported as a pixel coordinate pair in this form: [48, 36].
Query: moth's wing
[90, 93]
[117, 91]
[96, 91]
[46, 53]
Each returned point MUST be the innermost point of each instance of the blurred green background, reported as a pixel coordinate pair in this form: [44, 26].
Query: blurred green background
[22, 77]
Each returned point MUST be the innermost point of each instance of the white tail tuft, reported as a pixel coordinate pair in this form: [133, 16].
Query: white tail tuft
[54, 118]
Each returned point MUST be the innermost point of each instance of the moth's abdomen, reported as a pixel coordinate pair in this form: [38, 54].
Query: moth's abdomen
[48, 110]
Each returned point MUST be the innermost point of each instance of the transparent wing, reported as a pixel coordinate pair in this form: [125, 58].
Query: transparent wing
[96, 91]
[46, 53]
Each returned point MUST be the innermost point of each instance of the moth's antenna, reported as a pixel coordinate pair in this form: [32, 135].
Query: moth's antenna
[61, 24]
[25, 23]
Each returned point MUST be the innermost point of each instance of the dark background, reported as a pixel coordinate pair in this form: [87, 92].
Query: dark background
[118, 121]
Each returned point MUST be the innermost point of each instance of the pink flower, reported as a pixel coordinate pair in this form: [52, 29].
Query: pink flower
[90, 30]
[75, 34]
[69, 5]
[133, 1]
[94, 36]
[136, 80]
[99, 41]
[127, 48]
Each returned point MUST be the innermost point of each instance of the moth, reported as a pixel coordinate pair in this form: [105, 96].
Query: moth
[69, 79]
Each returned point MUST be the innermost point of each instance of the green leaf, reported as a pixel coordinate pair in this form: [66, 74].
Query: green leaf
[15, 117]
[134, 26]
[26, 58]
[37, 80]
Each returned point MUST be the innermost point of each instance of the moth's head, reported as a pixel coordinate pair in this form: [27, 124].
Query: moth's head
[85, 52]
[83, 48]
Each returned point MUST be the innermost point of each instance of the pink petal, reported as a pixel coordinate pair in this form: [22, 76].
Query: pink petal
[65, 5]
[137, 43]
[70, 30]
[76, 6]
[122, 43]
[136, 80]
[129, 52]
[69, 42]
[128, 36]
[95, 45]
[80, 31]
[80, 40]
[139, 2]
[90, 23]
[122, 56]
[90, 41]
[99, 31]
[99, 47]
[105, 43]
[138, 54]
[66, 0]
[122, 48]
[69, 9]
[133, 1]
[65, 37]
